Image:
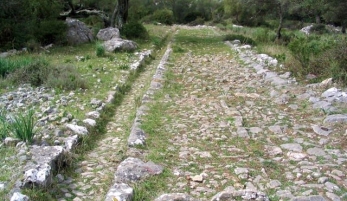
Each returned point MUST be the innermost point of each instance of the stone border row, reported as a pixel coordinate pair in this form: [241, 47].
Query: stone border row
[133, 169]
[45, 160]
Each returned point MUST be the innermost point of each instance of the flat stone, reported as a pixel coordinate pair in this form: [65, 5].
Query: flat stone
[198, 178]
[17, 196]
[336, 118]
[120, 192]
[241, 171]
[133, 170]
[309, 198]
[284, 194]
[175, 197]
[332, 196]
[292, 147]
[331, 186]
[296, 156]
[273, 184]
[79, 130]
[316, 151]
[90, 122]
[273, 150]
[230, 193]
[321, 130]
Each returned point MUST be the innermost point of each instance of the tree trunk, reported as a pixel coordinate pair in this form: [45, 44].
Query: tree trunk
[280, 13]
[120, 14]
[318, 21]
[343, 28]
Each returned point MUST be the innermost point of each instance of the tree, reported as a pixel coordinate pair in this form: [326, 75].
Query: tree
[336, 13]
[120, 13]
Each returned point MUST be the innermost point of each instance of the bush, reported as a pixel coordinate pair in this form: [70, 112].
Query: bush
[22, 126]
[332, 63]
[65, 77]
[38, 72]
[163, 16]
[190, 17]
[319, 29]
[100, 50]
[133, 30]
[197, 21]
[242, 38]
[35, 73]
[304, 48]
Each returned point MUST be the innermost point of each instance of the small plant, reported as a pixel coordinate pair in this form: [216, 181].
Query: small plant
[4, 130]
[22, 126]
[100, 50]
[123, 67]
[134, 30]
[65, 77]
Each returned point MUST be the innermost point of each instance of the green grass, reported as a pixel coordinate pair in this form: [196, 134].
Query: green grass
[22, 126]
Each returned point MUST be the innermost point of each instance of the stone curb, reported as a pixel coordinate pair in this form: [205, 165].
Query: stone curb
[137, 138]
[46, 160]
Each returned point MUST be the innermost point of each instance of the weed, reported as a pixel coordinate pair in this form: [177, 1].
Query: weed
[100, 50]
[65, 77]
[124, 67]
[23, 126]
[4, 129]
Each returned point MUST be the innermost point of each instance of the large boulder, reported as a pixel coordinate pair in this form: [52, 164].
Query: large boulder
[78, 32]
[108, 34]
[118, 44]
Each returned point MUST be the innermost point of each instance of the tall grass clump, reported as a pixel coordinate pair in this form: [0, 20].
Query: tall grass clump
[8, 66]
[4, 128]
[100, 50]
[263, 35]
[23, 125]
[34, 73]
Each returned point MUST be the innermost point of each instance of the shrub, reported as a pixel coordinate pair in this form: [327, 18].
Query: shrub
[304, 48]
[8, 65]
[100, 50]
[332, 63]
[35, 73]
[192, 16]
[242, 38]
[22, 126]
[319, 29]
[133, 30]
[163, 16]
[197, 21]
[65, 77]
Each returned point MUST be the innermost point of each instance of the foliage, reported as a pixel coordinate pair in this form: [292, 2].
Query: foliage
[304, 48]
[4, 128]
[23, 126]
[242, 38]
[38, 72]
[9, 65]
[65, 77]
[35, 73]
[134, 30]
[21, 21]
[100, 50]
[318, 29]
[332, 63]
[197, 21]
[163, 16]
